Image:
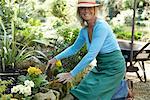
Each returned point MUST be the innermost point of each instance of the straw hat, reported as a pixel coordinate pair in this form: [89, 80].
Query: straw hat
[87, 3]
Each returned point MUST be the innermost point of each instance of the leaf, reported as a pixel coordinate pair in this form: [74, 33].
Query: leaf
[45, 42]
[41, 53]
[2, 88]
[22, 78]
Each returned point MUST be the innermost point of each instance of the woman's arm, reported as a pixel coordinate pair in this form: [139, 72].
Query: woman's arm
[73, 49]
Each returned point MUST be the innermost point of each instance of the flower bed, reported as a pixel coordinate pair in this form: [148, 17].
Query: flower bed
[33, 85]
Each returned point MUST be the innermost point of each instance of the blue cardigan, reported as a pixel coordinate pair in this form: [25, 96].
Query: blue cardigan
[103, 41]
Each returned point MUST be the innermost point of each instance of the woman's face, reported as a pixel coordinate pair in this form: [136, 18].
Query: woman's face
[87, 13]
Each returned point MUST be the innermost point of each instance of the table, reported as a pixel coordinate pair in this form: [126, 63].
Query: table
[141, 53]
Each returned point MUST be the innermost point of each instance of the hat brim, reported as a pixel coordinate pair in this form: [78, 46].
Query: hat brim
[88, 5]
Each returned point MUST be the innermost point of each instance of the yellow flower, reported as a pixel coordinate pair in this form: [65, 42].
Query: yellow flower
[38, 71]
[58, 63]
[31, 70]
[34, 70]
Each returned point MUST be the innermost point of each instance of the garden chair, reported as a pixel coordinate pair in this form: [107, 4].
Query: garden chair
[141, 53]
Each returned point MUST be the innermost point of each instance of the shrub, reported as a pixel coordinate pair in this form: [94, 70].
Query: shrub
[122, 33]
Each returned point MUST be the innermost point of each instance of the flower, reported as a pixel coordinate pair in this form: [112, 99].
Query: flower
[34, 71]
[23, 89]
[58, 63]
[14, 89]
[17, 88]
[29, 83]
[27, 90]
[32, 82]
[20, 88]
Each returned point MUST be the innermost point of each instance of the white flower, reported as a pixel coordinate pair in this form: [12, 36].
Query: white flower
[20, 87]
[29, 83]
[15, 89]
[27, 90]
[26, 82]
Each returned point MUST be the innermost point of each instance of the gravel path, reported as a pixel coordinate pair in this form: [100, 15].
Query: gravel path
[141, 89]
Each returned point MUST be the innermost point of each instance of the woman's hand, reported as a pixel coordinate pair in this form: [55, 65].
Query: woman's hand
[51, 62]
[64, 77]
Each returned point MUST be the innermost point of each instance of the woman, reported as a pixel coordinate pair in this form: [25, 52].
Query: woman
[101, 82]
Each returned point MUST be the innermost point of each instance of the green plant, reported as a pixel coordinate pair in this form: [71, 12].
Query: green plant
[124, 33]
[59, 9]
[23, 91]
[17, 32]
[114, 8]
[3, 88]
[34, 74]
[13, 52]
[4, 84]
[128, 4]
[69, 35]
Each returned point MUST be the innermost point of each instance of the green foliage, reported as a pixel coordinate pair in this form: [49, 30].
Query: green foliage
[3, 87]
[6, 97]
[6, 14]
[4, 84]
[34, 22]
[58, 23]
[122, 33]
[59, 9]
[57, 70]
[128, 4]
[69, 35]
[39, 81]
[114, 8]
[17, 34]
[13, 52]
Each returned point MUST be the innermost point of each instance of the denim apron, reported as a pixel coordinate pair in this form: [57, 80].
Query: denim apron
[101, 82]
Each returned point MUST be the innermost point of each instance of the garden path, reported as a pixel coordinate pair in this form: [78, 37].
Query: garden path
[141, 90]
